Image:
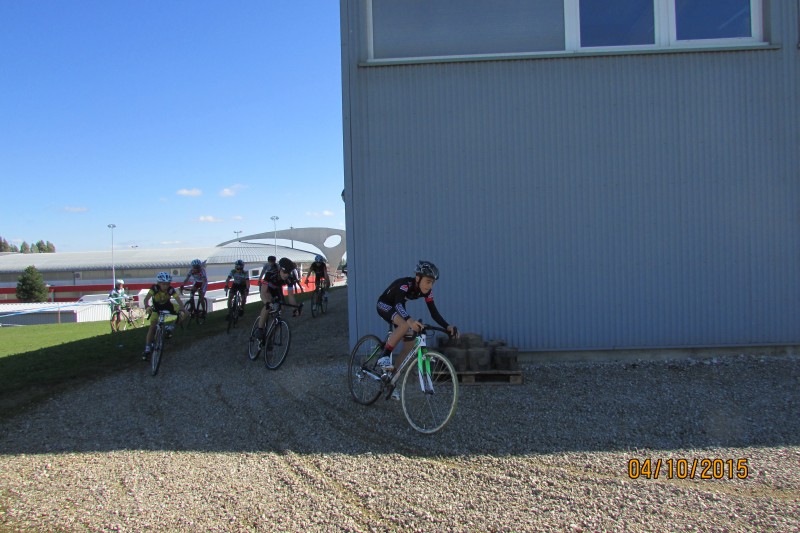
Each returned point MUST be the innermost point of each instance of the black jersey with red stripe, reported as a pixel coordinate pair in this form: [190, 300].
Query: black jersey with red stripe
[404, 289]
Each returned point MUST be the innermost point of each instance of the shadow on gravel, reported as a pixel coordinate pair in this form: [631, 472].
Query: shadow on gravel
[212, 398]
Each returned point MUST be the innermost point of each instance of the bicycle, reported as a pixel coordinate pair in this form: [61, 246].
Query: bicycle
[129, 317]
[319, 300]
[235, 310]
[162, 330]
[195, 312]
[429, 389]
[274, 341]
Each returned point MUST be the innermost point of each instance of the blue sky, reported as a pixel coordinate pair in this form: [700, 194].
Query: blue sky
[179, 121]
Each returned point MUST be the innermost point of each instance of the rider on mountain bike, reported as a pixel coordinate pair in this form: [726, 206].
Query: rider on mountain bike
[241, 283]
[320, 271]
[275, 281]
[161, 293]
[199, 281]
[391, 307]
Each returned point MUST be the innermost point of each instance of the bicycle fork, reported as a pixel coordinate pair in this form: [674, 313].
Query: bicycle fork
[424, 373]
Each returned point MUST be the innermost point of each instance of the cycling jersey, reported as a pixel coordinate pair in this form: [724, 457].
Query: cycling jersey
[198, 278]
[275, 283]
[319, 268]
[393, 299]
[239, 277]
[161, 298]
[117, 297]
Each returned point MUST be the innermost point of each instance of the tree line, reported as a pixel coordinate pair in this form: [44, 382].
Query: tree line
[39, 247]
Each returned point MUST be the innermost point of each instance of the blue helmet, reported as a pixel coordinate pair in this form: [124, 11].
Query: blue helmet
[319, 258]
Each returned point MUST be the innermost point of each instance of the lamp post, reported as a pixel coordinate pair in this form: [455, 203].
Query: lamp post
[292, 228]
[275, 226]
[113, 270]
[237, 233]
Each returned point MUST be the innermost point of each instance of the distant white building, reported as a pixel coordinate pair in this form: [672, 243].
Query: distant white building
[70, 275]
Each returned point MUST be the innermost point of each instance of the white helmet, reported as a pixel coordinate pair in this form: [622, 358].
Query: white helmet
[120, 282]
[163, 277]
[196, 262]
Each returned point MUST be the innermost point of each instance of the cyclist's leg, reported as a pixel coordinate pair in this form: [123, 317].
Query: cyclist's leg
[400, 330]
[266, 297]
[151, 331]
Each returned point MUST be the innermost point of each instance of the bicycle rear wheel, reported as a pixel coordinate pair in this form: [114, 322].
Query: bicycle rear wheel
[137, 317]
[278, 339]
[363, 375]
[158, 349]
[254, 343]
[429, 400]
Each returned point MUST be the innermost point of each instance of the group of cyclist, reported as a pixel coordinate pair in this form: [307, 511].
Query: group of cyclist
[274, 276]
[277, 274]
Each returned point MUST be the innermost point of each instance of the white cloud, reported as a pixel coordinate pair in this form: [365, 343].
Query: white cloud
[232, 190]
[76, 209]
[169, 243]
[209, 218]
[237, 217]
[190, 192]
[316, 214]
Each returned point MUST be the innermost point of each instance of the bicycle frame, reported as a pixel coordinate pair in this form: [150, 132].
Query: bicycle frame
[419, 349]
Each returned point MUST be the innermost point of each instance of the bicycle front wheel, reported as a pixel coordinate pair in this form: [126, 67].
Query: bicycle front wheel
[189, 308]
[429, 399]
[158, 348]
[254, 343]
[315, 310]
[363, 374]
[277, 347]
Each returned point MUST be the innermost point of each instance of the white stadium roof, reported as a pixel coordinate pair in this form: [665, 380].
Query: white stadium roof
[250, 252]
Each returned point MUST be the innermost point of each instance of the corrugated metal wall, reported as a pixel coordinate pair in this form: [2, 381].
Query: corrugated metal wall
[582, 203]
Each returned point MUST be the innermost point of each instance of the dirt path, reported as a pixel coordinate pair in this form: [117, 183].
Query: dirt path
[216, 442]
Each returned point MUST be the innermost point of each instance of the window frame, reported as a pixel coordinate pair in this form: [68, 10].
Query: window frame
[665, 28]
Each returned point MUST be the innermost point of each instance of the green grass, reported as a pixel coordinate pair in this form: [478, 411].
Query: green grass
[37, 360]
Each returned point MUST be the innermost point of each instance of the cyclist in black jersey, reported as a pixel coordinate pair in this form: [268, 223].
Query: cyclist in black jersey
[320, 271]
[272, 289]
[391, 307]
[241, 283]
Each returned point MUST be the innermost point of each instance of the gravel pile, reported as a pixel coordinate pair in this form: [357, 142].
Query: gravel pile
[216, 442]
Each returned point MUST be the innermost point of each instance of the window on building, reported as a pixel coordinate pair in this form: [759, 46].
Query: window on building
[445, 28]
[665, 23]
[427, 28]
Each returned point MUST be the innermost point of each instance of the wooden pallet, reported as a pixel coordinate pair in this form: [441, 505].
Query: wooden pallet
[491, 377]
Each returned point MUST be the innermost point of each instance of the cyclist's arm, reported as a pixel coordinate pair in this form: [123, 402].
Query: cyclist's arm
[436, 315]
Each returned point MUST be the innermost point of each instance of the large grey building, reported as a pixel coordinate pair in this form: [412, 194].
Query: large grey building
[587, 175]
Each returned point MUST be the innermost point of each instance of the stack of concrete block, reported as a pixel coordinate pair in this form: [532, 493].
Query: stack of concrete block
[472, 353]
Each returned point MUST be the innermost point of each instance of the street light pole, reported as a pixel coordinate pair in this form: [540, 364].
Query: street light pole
[113, 270]
[237, 233]
[275, 226]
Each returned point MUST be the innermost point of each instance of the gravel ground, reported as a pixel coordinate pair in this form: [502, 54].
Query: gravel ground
[216, 442]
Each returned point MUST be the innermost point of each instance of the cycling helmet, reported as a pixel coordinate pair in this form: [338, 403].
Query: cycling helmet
[319, 258]
[286, 264]
[120, 282]
[196, 263]
[428, 269]
[163, 277]
[239, 263]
